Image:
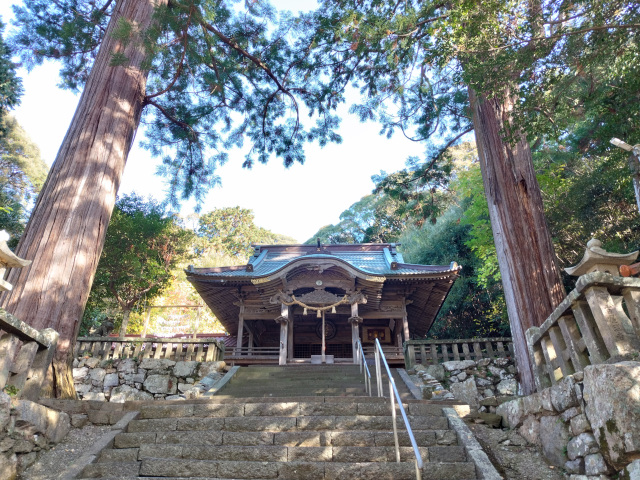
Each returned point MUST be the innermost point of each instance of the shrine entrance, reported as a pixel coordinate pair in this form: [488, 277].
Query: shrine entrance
[293, 303]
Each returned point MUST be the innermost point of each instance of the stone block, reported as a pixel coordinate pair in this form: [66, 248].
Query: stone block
[579, 424]
[554, 436]
[436, 371]
[612, 406]
[58, 425]
[127, 366]
[96, 396]
[30, 413]
[8, 466]
[594, 464]
[172, 467]
[507, 387]
[157, 364]
[530, 430]
[632, 471]
[545, 400]
[25, 461]
[5, 410]
[247, 470]
[185, 369]
[125, 393]
[569, 413]
[575, 466]
[206, 368]
[22, 446]
[165, 384]
[97, 376]
[79, 420]
[91, 362]
[458, 365]
[582, 445]
[512, 413]
[563, 395]
[80, 373]
[466, 391]
[532, 404]
[133, 440]
[111, 380]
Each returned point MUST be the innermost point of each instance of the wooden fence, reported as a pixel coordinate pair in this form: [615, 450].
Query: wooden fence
[428, 352]
[25, 372]
[177, 349]
[599, 321]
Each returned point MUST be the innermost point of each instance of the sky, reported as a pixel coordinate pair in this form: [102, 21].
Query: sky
[295, 201]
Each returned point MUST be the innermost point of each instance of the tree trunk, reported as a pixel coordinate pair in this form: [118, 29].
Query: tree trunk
[530, 276]
[66, 231]
[125, 323]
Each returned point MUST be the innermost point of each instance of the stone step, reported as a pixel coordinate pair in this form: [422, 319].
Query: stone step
[280, 409]
[190, 468]
[281, 423]
[309, 438]
[281, 453]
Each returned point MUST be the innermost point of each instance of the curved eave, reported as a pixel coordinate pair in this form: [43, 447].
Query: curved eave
[427, 271]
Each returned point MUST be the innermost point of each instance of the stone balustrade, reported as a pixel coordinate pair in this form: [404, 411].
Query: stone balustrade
[25, 353]
[597, 322]
[177, 349]
[431, 352]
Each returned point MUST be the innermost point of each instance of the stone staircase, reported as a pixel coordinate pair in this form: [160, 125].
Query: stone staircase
[325, 434]
[304, 380]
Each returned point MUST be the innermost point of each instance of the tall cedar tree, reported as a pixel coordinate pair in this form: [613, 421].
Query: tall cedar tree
[190, 69]
[454, 67]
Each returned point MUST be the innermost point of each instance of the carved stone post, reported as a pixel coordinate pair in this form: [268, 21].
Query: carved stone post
[355, 322]
[283, 320]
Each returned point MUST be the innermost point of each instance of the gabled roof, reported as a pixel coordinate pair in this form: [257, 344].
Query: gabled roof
[378, 259]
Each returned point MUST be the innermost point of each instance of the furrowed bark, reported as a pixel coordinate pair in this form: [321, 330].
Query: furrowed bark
[66, 231]
[530, 276]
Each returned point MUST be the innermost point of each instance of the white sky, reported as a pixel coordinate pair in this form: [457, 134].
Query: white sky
[296, 201]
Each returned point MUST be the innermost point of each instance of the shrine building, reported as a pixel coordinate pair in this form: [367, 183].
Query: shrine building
[302, 303]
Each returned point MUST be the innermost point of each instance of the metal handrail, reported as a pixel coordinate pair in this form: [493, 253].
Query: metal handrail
[363, 362]
[393, 392]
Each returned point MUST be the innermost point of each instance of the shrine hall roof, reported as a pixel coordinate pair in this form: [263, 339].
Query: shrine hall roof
[379, 259]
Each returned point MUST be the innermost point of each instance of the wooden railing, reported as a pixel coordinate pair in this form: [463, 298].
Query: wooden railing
[428, 352]
[254, 352]
[599, 321]
[177, 349]
[24, 373]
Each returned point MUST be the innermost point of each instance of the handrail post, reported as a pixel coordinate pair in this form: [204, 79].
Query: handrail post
[395, 426]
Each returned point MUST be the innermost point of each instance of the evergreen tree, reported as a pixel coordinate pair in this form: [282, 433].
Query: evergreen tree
[204, 75]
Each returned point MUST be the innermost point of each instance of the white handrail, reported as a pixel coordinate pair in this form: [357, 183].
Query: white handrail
[393, 392]
[363, 362]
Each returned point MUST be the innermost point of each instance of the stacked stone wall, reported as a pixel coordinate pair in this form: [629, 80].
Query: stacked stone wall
[131, 379]
[588, 423]
[25, 429]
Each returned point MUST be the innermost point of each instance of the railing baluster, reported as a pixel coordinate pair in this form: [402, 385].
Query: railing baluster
[465, 351]
[456, 354]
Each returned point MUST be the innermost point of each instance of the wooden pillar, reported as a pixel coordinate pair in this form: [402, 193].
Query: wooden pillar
[405, 325]
[240, 329]
[324, 342]
[283, 320]
[250, 344]
[290, 340]
[355, 331]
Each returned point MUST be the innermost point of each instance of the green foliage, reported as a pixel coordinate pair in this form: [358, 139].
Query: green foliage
[220, 75]
[22, 174]
[142, 247]
[11, 390]
[10, 83]
[372, 219]
[230, 232]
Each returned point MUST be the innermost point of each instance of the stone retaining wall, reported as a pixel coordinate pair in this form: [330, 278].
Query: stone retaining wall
[588, 423]
[147, 379]
[25, 429]
[483, 384]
